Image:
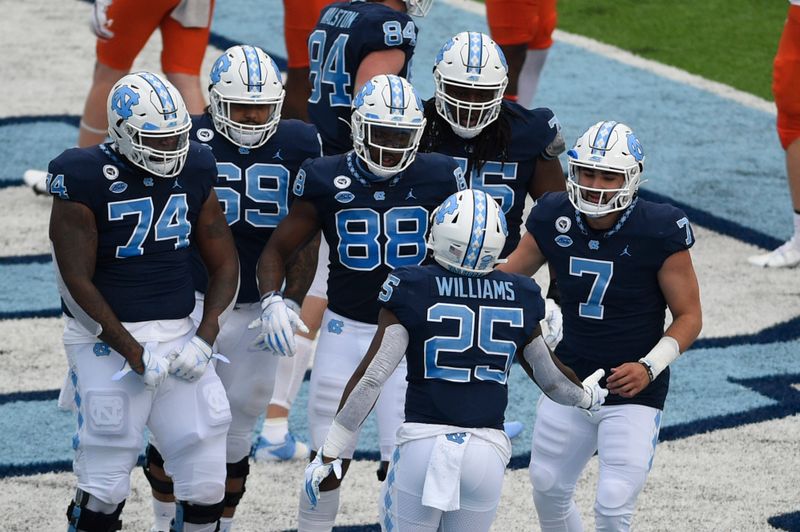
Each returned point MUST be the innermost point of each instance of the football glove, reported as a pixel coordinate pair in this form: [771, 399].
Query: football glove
[594, 395]
[190, 361]
[316, 472]
[155, 370]
[100, 22]
[279, 320]
[552, 324]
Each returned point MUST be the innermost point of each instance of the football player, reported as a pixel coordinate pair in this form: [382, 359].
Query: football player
[524, 31]
[258, 156]
[504, 149]
[352, 42]
[620, 261]
[125, 216]
[372, 205]
[785, 80]
[462, 324]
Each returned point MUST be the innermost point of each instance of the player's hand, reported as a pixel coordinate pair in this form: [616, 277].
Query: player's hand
[316, 472]
[594, 394]
[279, 321]
[628, 379]
[154, 370]
[190, 361]
[100, 22]
[552, 324]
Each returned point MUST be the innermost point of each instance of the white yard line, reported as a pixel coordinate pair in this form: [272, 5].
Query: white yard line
[625, 57]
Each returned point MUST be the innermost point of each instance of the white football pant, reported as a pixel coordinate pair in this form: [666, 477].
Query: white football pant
[565, 438]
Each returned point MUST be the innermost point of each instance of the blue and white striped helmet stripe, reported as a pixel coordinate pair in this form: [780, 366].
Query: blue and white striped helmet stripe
[398, 95]
[168, 106]
[254, 81]
[478, 230]
[475, 57]
[601, 139]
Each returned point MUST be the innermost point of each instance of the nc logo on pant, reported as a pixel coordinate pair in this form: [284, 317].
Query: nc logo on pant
[335, 326]
[456, 437]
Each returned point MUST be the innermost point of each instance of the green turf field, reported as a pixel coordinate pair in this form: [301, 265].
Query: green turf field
[730, 41]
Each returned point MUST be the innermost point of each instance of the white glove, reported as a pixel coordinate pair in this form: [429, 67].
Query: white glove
[552, 324]
[316, 472]
[155, 370]
[190, 361]
[594, 395]
[100, 22]
[278, 324]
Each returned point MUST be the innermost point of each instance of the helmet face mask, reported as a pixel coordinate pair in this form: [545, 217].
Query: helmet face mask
[468, 233]
[242, 77]
[470, 74]
[606, 149]
[387, 124]
[149, 123]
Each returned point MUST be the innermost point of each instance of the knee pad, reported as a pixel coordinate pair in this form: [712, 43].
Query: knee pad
[542, 479]
[616, 496]
[83, 519]
[237, 470]
[196, 514]
[153, 457]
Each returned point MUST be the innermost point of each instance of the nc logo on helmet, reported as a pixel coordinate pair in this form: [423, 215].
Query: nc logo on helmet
[635, 147]
[221, 66]
[365, 91]
[123, 99]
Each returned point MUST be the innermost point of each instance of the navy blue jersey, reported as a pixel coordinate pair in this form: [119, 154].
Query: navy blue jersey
[372, 228]
[253, 189]
[463, 335]
[345, 34]
[612, 305]
[508, 170]
[144, 227]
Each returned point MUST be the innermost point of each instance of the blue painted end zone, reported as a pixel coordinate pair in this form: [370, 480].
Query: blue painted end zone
[31, 142]
[28, 287]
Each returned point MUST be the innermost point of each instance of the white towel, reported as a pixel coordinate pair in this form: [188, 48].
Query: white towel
[192, 13]
[442, 488]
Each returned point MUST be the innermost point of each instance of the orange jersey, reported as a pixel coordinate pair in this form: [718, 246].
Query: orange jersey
[132, 24]
[299, 19]
[786, 79]
[528, 22]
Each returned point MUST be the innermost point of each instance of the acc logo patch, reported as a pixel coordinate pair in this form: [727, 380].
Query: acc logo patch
[563, 223]
[204, 134]
[119, 187]
[341, 182]
[564, 241]
[111, 172]
[344, 197]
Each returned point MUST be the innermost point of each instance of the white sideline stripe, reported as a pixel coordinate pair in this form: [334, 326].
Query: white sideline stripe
[627, 58]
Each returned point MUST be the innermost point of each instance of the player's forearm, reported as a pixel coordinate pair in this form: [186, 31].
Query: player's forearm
[301, 270]
[223, 286]
[557, 381]
[91, 301]
[685, 328]
[271, 270]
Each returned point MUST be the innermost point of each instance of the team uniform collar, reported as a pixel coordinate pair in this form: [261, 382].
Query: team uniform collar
[622, 219]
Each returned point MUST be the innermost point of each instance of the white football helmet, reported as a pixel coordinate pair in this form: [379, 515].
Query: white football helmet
[470, 74]
[149, 124]
[418, 8]
[468, 232]
[607, 147]
[387, 124]
[245, 75]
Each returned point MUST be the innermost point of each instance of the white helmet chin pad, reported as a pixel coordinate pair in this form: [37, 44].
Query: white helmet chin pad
[245, 75]
[605, 147]
[470, 74]
[468, 232]
[149, 124]
[387, 124]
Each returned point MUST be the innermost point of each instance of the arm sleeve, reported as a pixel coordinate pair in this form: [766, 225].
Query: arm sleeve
[550, 379]
[363, 397]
